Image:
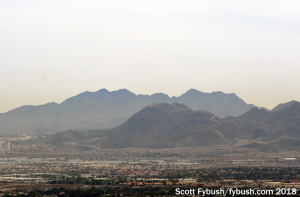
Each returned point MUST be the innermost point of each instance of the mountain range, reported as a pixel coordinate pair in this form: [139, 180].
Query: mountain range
[104, 109]
[165, 125]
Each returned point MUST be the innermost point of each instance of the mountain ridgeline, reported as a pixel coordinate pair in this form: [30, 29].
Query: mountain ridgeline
[104, 109]
[161, 125]
[165, 125]
[281, 126]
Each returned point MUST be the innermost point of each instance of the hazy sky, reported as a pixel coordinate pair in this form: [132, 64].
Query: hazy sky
[54, 49]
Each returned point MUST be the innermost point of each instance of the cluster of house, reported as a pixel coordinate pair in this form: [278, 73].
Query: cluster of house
[160, 182]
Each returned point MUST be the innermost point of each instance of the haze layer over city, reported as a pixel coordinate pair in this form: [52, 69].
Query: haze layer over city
[149, 98]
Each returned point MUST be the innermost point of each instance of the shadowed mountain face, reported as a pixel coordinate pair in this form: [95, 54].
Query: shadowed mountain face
[282, 126]
[168, 125]
[164, 126]
[173, 125]
[176, 125]
[280, 123]
[104, 109]
[283, 105]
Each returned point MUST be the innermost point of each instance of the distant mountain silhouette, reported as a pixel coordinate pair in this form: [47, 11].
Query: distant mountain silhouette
[265, 109]
[282, 126]
[218, 103]
[283, 105]
[283, 122]
[162, 125]
[104, 109]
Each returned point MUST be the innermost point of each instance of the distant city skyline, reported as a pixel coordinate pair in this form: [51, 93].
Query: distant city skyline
[53, 50]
